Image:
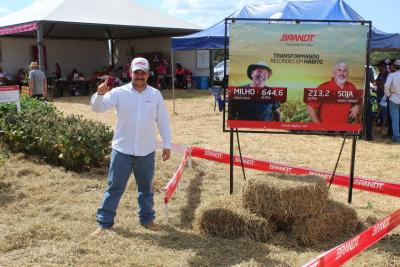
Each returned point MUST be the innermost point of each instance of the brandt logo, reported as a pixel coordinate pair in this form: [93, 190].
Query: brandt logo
[366, 183]
[281, 168]
[245, 161]
[286, 37]
[213, 154]
[347, 247]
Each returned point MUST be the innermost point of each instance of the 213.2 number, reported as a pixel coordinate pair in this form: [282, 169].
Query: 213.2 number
[318, 93]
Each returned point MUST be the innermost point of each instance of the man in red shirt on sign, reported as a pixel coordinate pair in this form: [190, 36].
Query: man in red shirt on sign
[335, 112]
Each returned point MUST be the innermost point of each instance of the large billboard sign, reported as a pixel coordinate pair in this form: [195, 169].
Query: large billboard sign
[296, 76]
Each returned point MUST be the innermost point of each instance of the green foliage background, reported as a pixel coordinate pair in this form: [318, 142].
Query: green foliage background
[377, 56]
[39, 129]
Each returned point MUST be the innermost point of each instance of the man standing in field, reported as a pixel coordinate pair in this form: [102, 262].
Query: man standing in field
[139, 107]
[335, 112]
[37, 82]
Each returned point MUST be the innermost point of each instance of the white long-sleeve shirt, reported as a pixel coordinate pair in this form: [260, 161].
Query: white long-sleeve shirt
[392, 87]
[137, 114]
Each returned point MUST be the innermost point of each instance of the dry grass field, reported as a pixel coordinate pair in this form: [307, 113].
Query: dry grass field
[47, 213]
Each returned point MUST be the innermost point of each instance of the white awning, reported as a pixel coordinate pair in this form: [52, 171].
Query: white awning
[94, 19]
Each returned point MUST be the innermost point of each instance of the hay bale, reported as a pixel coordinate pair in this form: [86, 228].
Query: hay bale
[224, 217]
[285, 198]
[336, 222]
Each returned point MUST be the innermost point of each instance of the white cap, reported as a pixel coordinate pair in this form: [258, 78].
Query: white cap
[140, 63]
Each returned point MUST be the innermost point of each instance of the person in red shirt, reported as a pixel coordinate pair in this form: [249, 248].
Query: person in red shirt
[179, 75]
[161, 71]
[335, 112]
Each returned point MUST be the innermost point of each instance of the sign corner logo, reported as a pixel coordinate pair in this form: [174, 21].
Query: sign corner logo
[291, 37]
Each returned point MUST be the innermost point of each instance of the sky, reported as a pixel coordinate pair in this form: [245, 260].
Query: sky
[205, 13]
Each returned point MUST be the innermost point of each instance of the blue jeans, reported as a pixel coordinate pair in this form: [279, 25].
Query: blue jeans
[394, 114]
[121, 167]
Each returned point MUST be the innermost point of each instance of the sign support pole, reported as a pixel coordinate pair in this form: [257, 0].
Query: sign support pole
[231, 162]
[39, 41]
[173, 81]
[337, 162]
[240, 154]
[353, 159]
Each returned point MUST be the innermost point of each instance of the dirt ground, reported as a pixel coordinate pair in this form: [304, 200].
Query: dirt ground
[48, 213]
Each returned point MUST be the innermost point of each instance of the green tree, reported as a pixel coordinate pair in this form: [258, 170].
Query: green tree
[377, 56]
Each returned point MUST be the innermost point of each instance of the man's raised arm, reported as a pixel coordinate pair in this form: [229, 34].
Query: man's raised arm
[100, 101]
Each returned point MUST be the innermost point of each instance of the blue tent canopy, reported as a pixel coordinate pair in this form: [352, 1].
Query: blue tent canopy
[214, 37]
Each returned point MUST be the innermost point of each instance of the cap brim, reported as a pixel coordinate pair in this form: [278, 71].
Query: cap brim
[136, 68]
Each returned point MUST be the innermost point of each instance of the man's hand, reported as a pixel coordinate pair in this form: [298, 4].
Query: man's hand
[354, 111]
[166, 154]
[103, 88]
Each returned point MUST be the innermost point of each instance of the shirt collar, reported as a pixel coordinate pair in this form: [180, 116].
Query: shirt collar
[134, 90]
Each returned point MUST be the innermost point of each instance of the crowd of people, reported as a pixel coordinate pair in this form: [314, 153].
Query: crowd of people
[388, 96]
[74, 83]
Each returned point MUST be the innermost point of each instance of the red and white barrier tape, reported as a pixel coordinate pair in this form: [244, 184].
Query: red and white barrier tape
[173, 183]
[267, 166]
[345, 251]
[339, 254]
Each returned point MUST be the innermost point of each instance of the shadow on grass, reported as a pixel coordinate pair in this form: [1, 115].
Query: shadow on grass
[193, 199]
[208, 251]
[97, 171]
[7, 193]
[389, 244]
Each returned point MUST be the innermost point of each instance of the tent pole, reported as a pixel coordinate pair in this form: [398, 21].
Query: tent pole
[173, 80]
[40, 46]
[112, 52]
[210, 63]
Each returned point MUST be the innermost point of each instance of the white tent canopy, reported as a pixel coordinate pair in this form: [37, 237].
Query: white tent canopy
[117, 19]
[90, 20]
